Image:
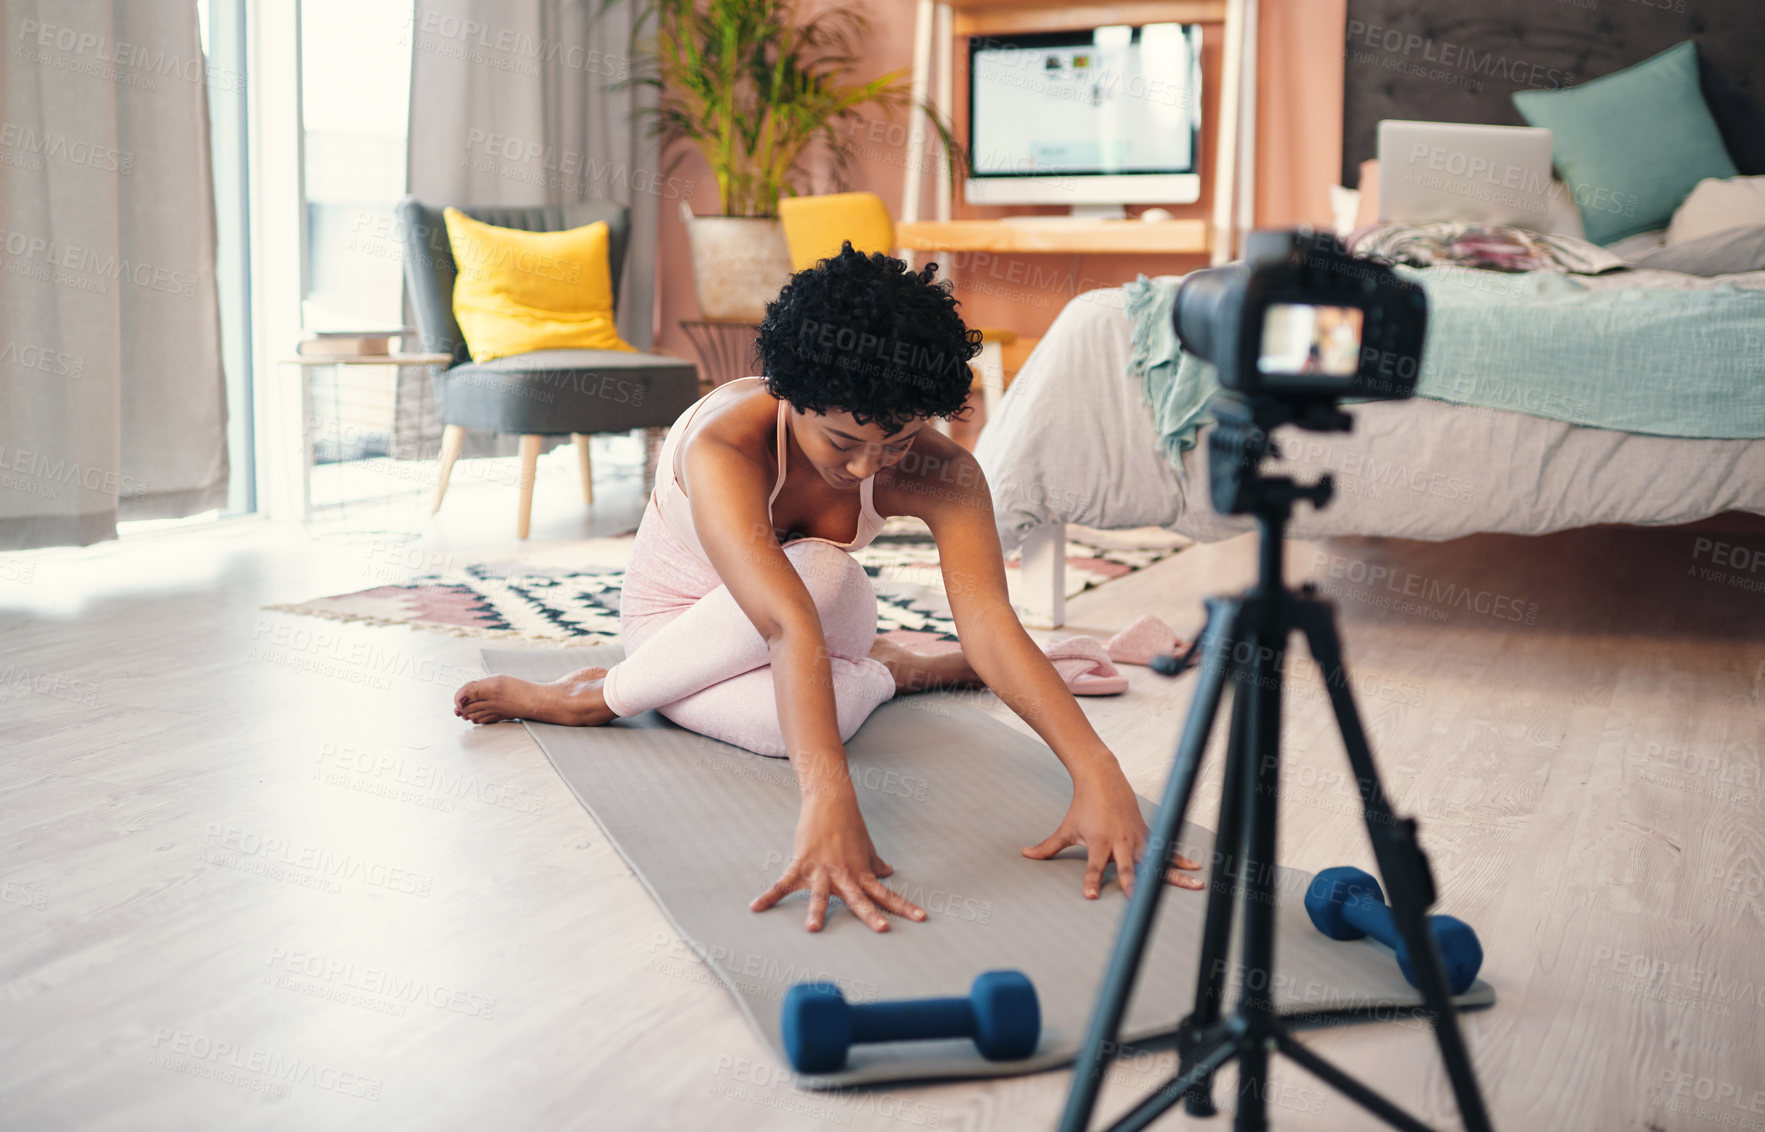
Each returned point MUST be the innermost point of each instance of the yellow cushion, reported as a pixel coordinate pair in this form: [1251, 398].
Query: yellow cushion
[519, 291]
[814, 227]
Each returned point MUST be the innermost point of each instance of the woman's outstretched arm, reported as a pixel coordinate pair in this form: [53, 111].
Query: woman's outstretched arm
[953, 498]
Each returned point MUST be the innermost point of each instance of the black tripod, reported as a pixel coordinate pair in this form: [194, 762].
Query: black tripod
[1244, 640]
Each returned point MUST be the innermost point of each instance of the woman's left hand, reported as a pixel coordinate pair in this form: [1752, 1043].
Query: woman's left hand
[1105, 818]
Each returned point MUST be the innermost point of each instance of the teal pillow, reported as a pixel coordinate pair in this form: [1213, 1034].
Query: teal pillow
[1633, 144]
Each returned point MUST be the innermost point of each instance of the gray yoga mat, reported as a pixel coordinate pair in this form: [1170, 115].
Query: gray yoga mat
[950, 795]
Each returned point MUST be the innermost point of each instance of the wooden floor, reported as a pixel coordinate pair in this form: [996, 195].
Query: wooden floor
[254, 874]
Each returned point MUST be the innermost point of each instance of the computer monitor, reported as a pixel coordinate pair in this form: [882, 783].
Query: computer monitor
[1105, 116]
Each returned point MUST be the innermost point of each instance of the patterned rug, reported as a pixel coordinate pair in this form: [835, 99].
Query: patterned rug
[570, 595]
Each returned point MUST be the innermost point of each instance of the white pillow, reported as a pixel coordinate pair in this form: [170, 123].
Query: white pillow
[1718, 204]
[1641, 244]
[1344, 203]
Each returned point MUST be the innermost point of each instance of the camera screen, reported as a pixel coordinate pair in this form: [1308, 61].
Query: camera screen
[1298, 338]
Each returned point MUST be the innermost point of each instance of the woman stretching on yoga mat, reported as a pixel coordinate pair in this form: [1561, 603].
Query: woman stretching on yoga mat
[745, 618]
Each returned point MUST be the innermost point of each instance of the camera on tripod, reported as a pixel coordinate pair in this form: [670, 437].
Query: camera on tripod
[1295, 328]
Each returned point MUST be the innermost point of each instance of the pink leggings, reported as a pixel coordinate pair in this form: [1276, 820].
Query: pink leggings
[692, 654]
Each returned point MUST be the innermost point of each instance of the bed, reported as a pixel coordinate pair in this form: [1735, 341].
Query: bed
[1074, 443]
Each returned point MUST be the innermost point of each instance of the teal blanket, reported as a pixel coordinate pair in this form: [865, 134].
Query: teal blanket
[1645, 360]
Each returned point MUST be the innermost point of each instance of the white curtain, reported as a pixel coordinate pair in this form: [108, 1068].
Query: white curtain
[112, 397]
[510, 105]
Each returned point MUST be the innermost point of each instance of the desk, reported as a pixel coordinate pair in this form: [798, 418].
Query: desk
[1059, 235]
[305, 362]
[939, 23]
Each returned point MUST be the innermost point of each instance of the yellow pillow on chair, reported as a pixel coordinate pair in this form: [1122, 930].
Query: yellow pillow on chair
[814, 227]
[518, 291]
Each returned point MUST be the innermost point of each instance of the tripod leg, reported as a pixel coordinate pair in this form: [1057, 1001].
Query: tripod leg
[1261, 776]
[1136, 925]
[1402, 864]
[1218, 1045]
[1228, 851]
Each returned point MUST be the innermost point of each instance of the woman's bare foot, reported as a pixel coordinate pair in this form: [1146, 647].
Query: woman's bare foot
[919, 672]
[575, 699]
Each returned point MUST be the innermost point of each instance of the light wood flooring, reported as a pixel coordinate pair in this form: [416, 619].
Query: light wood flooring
[255, 875]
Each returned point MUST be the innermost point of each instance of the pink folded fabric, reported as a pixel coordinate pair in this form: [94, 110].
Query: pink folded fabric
[1144, 639]
[1084, 664]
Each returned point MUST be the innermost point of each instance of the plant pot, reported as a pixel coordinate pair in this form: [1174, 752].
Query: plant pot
[739, 264]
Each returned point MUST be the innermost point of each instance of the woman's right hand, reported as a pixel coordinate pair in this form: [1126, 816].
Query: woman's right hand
[833, 856]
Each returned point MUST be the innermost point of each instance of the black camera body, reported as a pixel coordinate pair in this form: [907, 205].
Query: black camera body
[1296, 327]
[1301, 318]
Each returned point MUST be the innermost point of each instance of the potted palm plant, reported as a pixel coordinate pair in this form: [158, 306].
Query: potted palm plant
[758, 91]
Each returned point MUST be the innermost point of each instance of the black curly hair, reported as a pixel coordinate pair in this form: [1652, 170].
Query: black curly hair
[867, 335]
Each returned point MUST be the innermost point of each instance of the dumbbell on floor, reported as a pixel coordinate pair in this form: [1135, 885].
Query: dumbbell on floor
[1347, 903]
[1001, 1014]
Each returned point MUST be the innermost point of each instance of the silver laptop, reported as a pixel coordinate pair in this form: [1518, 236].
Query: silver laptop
[1449, 171]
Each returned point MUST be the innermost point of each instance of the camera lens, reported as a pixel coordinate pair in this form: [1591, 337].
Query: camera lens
[1197, 313]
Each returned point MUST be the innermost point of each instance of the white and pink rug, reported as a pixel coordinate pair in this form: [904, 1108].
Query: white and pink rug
[570, 594]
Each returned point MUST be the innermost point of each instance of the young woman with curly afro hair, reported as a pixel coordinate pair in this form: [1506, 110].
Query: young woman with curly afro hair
[746, 618]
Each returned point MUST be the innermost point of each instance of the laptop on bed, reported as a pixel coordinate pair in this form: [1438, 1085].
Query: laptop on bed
[1451, 171]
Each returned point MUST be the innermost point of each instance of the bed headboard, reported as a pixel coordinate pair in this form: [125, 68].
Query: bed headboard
[1459, 61]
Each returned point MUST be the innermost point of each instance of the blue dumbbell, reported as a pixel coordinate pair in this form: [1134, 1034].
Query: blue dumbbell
[1001, 1014]
[1346, 903]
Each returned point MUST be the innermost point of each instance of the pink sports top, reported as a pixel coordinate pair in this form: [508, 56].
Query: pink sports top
[676, 510]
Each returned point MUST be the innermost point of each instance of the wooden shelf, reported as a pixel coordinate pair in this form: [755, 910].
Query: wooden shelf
[1004, 17]
[1185, 236]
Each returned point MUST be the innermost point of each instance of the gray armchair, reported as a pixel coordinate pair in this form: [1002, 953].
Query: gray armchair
[546, 392]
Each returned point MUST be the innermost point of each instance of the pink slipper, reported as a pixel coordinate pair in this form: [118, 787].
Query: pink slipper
[1144, 639]
[1085, 666]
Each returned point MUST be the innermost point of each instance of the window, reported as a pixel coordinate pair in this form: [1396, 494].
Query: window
[355, 102]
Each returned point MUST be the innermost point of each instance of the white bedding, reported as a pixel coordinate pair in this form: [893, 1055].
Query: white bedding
[1072, 441]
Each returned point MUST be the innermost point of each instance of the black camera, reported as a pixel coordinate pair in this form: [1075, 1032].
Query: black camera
[1301, 318]
[1297, 326]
